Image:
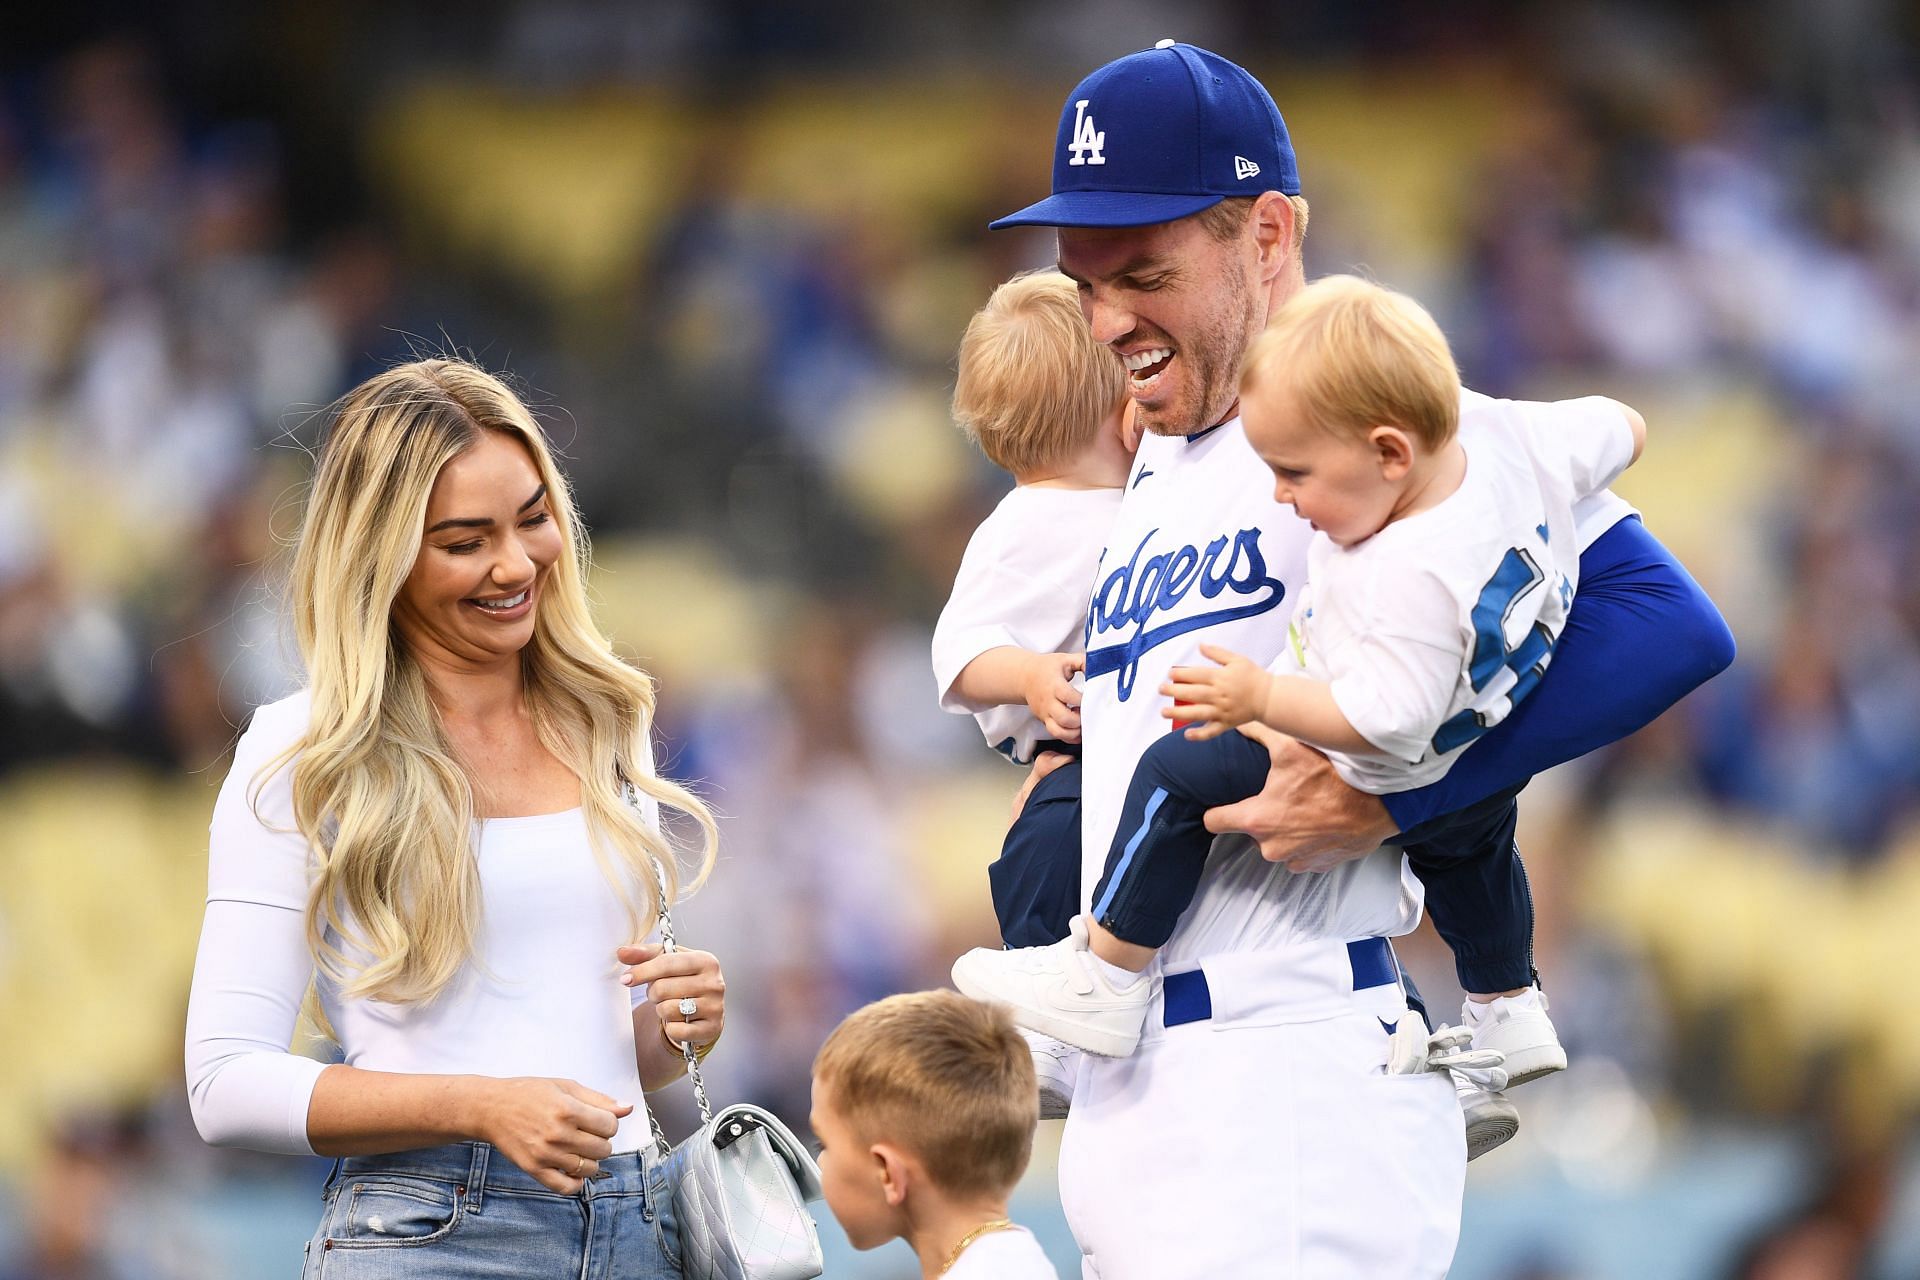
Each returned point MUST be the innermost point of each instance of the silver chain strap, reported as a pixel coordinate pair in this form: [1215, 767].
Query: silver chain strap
[686, 1046]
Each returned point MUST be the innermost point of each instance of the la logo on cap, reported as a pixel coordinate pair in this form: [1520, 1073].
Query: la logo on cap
[1087, 145]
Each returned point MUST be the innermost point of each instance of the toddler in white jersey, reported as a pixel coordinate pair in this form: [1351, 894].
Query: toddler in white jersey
[924, 1108]
[1048, 405]
[1440, 576]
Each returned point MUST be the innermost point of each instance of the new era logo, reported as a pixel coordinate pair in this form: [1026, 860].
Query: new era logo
[1244, 168]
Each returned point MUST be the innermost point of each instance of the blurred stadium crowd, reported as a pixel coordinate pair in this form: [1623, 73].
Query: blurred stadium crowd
[729, 256]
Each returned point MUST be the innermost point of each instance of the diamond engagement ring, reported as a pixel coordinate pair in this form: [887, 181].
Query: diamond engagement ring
[688, 1007]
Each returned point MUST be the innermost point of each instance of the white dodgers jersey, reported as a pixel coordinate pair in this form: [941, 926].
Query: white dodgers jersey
[1200, 552]
[1434, 629]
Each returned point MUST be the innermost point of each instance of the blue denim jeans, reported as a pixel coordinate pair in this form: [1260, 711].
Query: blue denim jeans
[465, 1210]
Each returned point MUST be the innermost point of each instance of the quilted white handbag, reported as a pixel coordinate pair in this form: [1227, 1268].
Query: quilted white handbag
[740, 1183]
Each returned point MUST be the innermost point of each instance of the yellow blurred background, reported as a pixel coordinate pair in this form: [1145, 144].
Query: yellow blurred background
[728, 252]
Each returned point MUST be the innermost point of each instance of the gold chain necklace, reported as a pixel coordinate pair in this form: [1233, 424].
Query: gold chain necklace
[998, 1224]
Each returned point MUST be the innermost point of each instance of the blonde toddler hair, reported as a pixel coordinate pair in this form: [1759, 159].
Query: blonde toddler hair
[1356, 356]
[946, 1077]
[1034, 386]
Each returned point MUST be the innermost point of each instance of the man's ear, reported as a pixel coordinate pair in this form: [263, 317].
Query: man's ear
[1394, 449]
[1272, 224]
[895, 1171]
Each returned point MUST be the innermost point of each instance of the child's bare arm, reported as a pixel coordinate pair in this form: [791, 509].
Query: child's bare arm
[1007, 676]
[1237, 691]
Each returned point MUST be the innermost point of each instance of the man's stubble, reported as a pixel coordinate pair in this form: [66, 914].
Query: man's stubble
[1216, 358]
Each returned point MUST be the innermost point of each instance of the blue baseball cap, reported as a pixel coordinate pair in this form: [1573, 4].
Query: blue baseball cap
[1158, 135]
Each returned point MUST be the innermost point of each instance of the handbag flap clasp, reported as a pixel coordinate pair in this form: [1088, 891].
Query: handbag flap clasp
[734, 1128]
[743, 1118]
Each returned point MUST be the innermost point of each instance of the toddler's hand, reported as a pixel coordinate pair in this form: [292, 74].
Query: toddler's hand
[1051, 695]
[1216, 699]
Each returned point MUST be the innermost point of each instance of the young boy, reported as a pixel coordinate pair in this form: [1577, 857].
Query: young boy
[924, 1108]
[1047, 404]
[1439, 578]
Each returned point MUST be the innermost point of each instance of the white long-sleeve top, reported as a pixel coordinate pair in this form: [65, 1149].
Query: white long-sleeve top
[543, 999]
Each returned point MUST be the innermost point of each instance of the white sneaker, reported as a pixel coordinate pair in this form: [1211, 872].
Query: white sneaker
[1059, 990]
[1518, 1026]
[1490, 1118]
[1055, 1065]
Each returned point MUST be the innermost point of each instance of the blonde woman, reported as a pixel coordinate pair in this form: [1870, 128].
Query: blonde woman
[435, 837]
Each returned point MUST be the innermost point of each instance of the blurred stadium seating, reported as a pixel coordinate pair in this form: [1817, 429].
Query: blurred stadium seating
[729, 257]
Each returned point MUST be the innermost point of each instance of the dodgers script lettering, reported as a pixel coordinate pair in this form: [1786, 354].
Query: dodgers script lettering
[1133, 595]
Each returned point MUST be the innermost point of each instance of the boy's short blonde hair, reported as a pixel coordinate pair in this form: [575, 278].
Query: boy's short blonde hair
[1357, 356]
[1034, 386]
[946, 1077]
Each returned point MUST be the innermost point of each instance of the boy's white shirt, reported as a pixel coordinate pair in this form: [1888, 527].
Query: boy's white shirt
[1390, 623]
[1024, 581]
[1003, 1255]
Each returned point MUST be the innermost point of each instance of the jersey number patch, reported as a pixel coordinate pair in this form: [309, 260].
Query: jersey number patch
[1517, 575]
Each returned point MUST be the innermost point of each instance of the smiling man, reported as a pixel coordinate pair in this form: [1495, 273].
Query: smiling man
[1257, 1130]
[1177, 302]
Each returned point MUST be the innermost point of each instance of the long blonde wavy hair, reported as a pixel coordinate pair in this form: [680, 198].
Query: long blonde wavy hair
[377, 791]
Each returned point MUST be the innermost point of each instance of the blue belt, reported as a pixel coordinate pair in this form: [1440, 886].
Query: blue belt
[1187, 999]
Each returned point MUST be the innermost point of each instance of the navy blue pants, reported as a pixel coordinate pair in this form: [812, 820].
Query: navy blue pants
[1476, 886]
[1036, 878]
[1640, 637]
[1477, 892]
